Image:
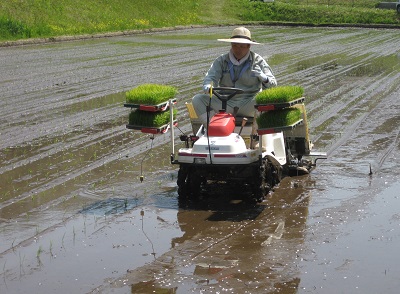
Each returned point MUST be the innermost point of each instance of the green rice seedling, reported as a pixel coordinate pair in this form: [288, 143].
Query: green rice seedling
[150, 94]
[21, 263]
[279, 94]
[150, 119]
[12, 244]
[279, 118]
[39, 251]
[51, 248]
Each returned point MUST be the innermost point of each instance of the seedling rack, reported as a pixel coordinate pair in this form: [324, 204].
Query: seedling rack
[151, 108]
[152, 130]
[264, 131]
[278, 106]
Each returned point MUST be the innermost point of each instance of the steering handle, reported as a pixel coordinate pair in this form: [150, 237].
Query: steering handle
[225, 97]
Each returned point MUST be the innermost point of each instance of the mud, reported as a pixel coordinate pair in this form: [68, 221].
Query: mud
[74, 217]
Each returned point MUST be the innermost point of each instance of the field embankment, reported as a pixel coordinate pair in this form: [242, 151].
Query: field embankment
[48, 18]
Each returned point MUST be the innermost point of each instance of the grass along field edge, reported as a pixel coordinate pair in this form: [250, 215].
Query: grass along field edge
[175, 28]
[47, 21]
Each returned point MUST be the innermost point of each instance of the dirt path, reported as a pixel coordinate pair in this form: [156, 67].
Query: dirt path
[75, 218]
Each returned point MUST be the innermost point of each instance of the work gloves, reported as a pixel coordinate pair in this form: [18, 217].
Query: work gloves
[206, 88]
[257, 72]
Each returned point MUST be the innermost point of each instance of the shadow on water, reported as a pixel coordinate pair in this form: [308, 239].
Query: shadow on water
[228, 243]
[219, 195]
[220, 203]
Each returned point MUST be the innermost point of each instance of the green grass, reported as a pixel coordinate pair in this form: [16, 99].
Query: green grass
[348, 3]
[150, 94]
[319, 13]
[49, 18]
[150, 119]
[11, 29]
[279, 118]
[279, 94]
[21, 19]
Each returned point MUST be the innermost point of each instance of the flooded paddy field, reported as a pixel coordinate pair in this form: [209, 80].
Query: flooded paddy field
[75, 218]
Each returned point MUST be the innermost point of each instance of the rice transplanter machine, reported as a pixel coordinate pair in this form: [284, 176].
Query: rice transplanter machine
[231, 149]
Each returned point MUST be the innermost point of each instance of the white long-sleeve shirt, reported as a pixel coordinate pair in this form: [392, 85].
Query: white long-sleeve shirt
[223, 73]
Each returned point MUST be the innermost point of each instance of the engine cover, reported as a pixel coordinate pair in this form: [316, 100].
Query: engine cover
[222, 124]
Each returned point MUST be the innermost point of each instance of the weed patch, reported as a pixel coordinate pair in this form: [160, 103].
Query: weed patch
[13, 29]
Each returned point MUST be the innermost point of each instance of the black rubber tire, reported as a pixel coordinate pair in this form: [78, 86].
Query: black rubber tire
[272, 175]
[189, 184]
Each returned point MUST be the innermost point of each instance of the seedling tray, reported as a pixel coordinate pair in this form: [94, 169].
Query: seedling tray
[152, 130]
[279, 129]
[151, 108]
[276, 106]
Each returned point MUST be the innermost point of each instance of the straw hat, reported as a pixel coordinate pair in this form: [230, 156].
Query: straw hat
[240, 35]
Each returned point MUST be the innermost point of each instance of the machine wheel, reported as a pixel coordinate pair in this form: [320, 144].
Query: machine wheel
[260, 188]
[277, 173]
[188, 183]
[263, 184]
[181, 181]
[271, 175]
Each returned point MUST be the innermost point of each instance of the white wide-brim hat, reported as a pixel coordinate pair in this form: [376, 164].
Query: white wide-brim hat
[240, 35]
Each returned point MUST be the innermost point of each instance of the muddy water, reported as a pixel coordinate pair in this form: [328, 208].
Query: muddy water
[74, 217]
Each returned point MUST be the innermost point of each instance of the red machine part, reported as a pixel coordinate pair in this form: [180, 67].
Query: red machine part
[222, 124]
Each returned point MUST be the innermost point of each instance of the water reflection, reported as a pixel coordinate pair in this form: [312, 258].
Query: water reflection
[233, 246]
[111, 206]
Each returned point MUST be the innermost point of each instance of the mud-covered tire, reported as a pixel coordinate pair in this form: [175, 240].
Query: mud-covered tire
[263, 184]
[181, 181]
[188, 182]
[277, 173]
[271, 175]
[259, 187]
